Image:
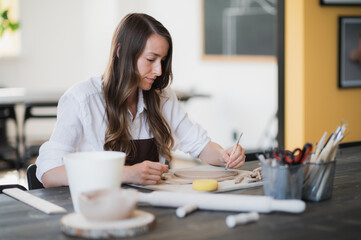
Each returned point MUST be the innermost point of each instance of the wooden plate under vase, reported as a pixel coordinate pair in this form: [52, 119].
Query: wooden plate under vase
[75, 224]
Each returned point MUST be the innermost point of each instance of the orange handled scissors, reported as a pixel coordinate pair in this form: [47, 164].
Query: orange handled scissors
[306, 151]
[293, 157]
[297, 156]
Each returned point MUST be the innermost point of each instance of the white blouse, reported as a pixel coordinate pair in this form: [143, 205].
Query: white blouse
[82, 122]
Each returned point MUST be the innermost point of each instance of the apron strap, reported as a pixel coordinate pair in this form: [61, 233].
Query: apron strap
[145, 149]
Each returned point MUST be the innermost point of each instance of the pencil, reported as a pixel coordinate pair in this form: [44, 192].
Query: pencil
[234, 149]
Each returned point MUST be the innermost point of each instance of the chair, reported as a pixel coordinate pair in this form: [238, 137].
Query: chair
[9, 150]
[32, 150]
[33, 182]
[2, 187]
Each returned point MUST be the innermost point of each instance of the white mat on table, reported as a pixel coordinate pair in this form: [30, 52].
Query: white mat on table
[224, 186]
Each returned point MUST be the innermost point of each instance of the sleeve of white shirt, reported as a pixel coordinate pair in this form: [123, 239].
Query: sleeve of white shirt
[189, 137]
[65, 137]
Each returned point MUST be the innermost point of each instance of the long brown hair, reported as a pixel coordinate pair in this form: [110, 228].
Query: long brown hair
[121, 79]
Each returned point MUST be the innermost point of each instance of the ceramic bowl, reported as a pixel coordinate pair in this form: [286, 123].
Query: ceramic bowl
[108, 204]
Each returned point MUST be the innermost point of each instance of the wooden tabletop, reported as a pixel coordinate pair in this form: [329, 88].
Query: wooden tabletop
[337, 218]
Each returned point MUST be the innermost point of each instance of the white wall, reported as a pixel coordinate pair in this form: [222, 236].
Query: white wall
[64, 42]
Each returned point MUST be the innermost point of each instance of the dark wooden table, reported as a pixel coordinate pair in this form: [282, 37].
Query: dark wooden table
[337, 218]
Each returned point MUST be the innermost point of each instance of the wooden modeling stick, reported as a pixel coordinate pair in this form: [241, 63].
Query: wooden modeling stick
[234, 149]
[242, 218]
[186, 209]
[34, 201]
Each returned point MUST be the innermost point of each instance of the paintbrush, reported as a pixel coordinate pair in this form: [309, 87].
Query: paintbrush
[234, 149]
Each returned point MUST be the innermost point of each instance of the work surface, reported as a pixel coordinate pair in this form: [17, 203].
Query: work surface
[338, 218]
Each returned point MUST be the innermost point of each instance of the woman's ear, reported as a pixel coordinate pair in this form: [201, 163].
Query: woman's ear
[118, 49]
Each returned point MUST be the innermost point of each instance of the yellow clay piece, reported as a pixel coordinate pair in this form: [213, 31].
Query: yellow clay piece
[205, 185]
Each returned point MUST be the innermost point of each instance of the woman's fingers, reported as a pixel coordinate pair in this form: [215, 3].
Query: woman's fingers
[154, 168]
[150, 172]
[238, 158]
[157, 166]
[239, 162]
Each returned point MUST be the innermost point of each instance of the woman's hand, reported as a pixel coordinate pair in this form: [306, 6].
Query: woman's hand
[215, 155]
[144, 173]
[238, 158]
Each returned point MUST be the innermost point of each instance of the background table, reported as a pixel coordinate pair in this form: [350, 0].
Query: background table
[19, 105]
[338, 218]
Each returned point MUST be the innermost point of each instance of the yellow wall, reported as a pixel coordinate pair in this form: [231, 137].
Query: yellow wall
[313, 102]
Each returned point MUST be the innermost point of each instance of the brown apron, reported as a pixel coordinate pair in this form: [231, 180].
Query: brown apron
[145, 149]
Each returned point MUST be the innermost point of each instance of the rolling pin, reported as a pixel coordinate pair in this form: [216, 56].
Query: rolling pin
[222, 202]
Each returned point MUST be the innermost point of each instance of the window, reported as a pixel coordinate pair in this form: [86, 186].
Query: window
[9, 40]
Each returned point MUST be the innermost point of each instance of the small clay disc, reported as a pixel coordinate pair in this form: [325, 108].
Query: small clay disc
[75, 224]
[205, 174]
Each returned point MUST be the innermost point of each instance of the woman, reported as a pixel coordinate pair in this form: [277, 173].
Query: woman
[130, 109]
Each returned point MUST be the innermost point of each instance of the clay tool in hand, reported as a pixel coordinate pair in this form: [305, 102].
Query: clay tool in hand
[234, 149]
